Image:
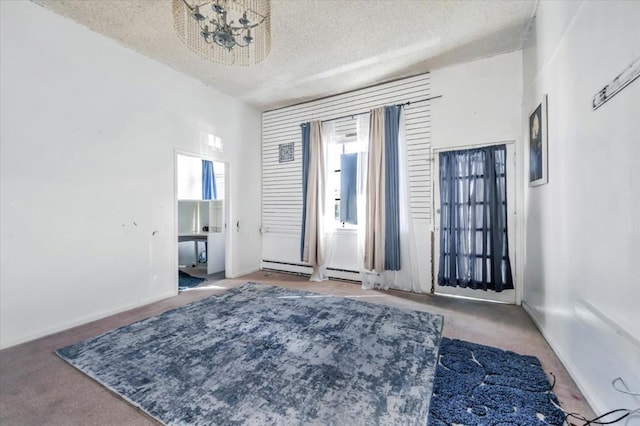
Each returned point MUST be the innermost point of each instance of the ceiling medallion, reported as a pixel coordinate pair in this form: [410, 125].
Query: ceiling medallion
[229, 32]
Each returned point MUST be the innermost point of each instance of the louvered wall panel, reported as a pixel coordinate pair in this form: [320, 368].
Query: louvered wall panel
[282, 182]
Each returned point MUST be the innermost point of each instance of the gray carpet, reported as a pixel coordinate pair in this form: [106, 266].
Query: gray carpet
[268, 355]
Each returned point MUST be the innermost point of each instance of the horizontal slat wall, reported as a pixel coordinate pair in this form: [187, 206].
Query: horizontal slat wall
[282, 182]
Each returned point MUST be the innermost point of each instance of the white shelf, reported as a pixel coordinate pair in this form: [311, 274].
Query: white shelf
[193, 217]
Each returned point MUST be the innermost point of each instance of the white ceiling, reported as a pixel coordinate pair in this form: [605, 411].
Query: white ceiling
[321, 47]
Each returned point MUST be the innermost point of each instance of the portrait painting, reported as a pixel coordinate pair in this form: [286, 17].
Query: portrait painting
[538, 144]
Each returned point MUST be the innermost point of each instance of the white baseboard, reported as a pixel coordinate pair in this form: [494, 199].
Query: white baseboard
[245, 272]
[84, 320]
[577, 377]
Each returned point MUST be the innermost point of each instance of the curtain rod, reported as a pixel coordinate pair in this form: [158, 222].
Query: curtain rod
[364, 112]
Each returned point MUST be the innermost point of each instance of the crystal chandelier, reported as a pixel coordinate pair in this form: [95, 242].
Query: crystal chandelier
[229, 32]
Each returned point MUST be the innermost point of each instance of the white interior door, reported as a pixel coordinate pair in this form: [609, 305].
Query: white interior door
[506, 296]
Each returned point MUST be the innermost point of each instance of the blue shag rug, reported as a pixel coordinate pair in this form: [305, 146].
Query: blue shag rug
[186, 281]
[482, 385]
[261, 355]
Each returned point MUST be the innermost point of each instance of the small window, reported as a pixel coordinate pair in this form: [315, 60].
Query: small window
[343, 163]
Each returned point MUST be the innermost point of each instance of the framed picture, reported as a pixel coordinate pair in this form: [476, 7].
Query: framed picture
[538, 144]
[285, 152]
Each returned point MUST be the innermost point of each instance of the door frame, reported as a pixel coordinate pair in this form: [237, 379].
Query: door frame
[506, 296]
[228, 240]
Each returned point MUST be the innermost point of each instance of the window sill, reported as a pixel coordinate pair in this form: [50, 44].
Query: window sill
[347, 231]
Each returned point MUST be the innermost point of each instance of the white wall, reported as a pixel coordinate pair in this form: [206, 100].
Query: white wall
[582, 283]
[88, 139]
[480, 102]
[480, 105]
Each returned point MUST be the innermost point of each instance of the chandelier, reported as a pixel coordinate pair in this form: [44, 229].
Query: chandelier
[229, 32]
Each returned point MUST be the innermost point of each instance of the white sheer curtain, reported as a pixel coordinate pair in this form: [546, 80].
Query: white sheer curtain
[363, 142]
[407, 278]
[318, 245]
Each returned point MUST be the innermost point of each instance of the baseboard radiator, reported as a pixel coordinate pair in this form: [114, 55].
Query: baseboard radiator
[607, 351]
[305, 269]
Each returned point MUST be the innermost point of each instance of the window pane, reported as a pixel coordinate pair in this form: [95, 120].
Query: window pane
[348, 192]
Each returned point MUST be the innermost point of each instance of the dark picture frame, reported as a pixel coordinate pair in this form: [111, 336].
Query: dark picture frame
[286, 152]
[538, 167]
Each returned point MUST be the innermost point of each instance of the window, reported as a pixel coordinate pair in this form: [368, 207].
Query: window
[343, 169]
[189, 169]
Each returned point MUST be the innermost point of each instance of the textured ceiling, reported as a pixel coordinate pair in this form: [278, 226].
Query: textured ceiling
[321, 47]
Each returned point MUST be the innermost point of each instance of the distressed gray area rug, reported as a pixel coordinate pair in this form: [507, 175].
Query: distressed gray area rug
[261, 354]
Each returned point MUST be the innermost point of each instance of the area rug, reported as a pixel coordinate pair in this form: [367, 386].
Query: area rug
[482, 385]
[186, 281]
[262, 355]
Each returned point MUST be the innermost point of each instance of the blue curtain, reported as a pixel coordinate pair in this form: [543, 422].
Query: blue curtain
[209, 190]
[474, 248]
[348, 189]
[392, 195]
[306, 138]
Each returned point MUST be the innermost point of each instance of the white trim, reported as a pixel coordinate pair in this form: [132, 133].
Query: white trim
[241, 273]
[457, 296]
[514, 246]
[575, 374]
[228, 240]
[470, 146]
[228, 210]
[619, 329]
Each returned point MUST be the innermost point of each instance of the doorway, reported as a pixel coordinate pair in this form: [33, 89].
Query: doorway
[201, 188]
[505, 296]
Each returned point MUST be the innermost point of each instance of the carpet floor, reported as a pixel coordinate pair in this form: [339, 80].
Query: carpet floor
[269, 355]
[37, 387]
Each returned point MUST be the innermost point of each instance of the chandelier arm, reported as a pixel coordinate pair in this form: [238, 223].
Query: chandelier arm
[188, 5]
[242, 45]
[215, 29]
[248, 26]
[254, 12]
[202, 25]
[235, 32]
[215, 24]
[191, 8]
